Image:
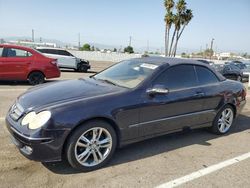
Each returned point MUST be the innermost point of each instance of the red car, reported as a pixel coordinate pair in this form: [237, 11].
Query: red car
[23, 63]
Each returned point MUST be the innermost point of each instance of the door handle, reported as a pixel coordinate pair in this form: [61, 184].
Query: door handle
[199, 94]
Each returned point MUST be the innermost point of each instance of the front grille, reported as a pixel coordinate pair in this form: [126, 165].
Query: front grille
[16, 111]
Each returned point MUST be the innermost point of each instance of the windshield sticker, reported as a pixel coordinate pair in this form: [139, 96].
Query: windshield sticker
[149, 66]
[136, 68]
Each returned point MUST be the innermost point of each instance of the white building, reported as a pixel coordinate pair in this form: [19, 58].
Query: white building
[33, 44]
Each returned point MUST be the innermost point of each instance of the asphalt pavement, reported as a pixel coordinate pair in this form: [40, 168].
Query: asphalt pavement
[156, 162]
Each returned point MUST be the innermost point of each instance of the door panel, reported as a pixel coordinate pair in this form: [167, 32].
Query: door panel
[211, 86]
[63, 61]
[180, 107]
[174, 111]
[68, 61]
[213, 96]
[13, 66]
[1, 63]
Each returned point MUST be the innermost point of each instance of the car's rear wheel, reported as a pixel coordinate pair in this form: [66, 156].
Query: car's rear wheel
[91, 145]
[35, 78]
[223, 120]
[82, 68]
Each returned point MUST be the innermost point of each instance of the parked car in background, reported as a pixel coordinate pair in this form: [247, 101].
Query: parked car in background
[206, 62]
[230, 71]
[239, 64]
[85, 120]
[23, 63]
[246, 72]
[65, 59]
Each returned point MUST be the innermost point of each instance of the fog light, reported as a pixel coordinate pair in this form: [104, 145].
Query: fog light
[27, 150]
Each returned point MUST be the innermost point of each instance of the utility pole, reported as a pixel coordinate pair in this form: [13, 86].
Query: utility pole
[33, 35]
[147, 46]
[79, 41]
[130, 40]
[211, 48]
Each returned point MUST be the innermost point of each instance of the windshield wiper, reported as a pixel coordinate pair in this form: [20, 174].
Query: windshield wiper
[109, 81]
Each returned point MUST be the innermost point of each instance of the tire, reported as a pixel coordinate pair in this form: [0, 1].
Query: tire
[220, 124]
[35, 78]
[86, 153]
[81, 68]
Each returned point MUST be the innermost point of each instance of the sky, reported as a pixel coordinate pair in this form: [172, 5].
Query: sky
[111, 22]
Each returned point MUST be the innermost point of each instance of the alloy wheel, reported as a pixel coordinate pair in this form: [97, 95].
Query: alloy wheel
[93, 146]
[225, 120]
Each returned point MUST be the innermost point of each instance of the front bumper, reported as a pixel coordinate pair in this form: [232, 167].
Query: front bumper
[87, 66]
[45, 147]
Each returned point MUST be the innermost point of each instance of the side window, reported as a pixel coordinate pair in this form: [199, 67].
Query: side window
[178, 77]
[205, 76]
[234, 67]
[1, 51]
[29, 54]
[42, 50]
[12, 52]
[63, 52]
[51, 51]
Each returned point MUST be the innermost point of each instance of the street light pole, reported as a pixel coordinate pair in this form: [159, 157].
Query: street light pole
[211, 48]
[79, 41]
[130, 40]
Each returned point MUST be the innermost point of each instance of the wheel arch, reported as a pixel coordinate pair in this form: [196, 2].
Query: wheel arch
[104, 119]
[234, 108]
[35, 71]
[231, 104]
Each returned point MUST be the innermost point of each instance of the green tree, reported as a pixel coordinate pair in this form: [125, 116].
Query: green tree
[129, 49]
[208, 52]
[183, 54]
[86, 47]
[169, 4]
[115, 50]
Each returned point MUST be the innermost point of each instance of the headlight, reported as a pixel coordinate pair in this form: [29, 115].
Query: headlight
[35, 121]
[28, 118]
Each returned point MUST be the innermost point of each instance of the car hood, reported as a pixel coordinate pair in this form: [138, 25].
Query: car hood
[65, 91]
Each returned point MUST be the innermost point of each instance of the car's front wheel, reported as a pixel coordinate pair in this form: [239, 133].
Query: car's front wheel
[223, 120]
[82, 68]
[91, 145]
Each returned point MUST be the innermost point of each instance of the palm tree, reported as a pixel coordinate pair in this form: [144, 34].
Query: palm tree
[169, 4]
[178, 21]
[185, 19]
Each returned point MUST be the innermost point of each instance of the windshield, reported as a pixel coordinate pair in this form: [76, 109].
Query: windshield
[129, 73]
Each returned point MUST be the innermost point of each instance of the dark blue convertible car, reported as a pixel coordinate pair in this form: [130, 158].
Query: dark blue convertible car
[85, 120]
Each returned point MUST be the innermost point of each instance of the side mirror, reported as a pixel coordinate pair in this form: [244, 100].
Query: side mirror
[157, 90]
